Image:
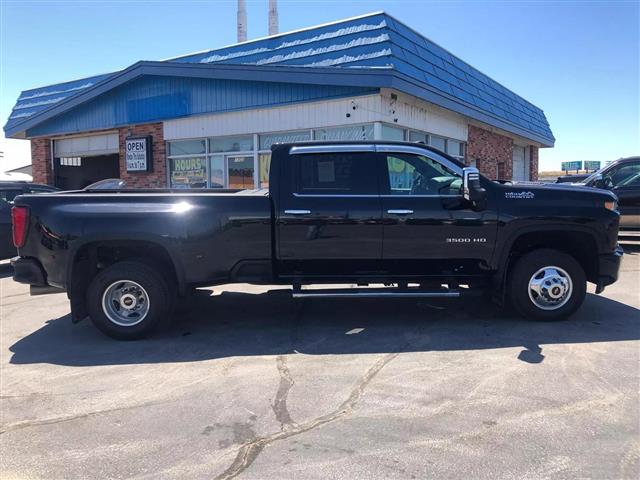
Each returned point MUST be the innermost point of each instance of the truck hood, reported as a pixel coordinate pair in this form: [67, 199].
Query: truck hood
[560, 188]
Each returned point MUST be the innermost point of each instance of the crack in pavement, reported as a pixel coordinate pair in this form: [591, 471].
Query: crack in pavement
[250, 451]
[69, 418]
[280, 403]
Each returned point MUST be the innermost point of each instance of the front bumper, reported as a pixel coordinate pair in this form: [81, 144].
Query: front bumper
[608, 268]
[29, 271]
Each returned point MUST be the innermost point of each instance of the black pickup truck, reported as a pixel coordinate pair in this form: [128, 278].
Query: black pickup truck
[397, 219]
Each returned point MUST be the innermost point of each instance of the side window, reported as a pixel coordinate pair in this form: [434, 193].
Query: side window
[419, 175]
[632, 181]
[626, 176]
[337, 174]
[9, 195]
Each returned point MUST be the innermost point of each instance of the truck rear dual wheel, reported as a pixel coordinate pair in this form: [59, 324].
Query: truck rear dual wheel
[129, 300]
[547, 285]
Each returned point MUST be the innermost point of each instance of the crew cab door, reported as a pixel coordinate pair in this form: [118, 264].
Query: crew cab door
[429, 229]
[625, 183]
[329, 213]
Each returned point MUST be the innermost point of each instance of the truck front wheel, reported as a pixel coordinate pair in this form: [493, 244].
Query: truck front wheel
[547, 285]
[128, 300]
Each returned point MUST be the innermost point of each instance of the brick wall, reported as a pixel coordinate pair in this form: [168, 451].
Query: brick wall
[41, 161]
[156, 178]
[533, 163]
[493, 153]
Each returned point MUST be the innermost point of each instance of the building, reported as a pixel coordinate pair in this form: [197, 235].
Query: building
[208, 119]
[25, 170]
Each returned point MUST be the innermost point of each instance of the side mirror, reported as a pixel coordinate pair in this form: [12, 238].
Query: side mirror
[472, 191]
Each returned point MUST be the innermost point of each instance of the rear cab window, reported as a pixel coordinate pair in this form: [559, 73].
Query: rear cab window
[335, 174]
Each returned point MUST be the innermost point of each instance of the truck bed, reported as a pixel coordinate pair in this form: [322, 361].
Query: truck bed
[212, 236]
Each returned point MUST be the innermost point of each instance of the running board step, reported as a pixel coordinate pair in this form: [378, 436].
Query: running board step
[375, 293]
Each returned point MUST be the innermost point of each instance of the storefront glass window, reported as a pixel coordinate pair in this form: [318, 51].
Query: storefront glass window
[186, 147]
[454, 148]
[188, 172]
[438, 142]
[283, 137]
[360, 132]
[216, 169]
[265, 166]
[240, 171]
[392, 133]
[418, 137]
[231, 144]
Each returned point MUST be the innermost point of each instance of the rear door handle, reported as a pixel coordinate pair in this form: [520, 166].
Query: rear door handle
[297, 212]
[400, 212]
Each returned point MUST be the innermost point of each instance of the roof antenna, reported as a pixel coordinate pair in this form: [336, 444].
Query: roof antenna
[242, 21]
[273, 17]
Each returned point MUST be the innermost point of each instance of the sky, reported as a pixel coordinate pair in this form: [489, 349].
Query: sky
[577, 60]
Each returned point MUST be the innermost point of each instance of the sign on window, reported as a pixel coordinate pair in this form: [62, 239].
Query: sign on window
[138, 154]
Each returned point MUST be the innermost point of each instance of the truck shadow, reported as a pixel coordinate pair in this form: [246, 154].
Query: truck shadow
[629, 247]
[244, 324]
[6, 270]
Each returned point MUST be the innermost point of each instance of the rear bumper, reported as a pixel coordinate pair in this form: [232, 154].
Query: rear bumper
[29, 271]
[608, 268]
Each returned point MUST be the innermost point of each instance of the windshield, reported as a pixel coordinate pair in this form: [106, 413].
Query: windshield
[107, 184]
[593, 176]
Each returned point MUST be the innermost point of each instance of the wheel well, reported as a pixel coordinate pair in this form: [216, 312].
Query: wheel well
[579, 245]
[96, 256]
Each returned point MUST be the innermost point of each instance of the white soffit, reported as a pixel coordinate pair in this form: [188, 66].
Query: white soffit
[86, 146]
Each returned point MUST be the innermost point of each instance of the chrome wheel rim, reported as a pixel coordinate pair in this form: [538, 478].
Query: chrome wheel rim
[125, 303]
[550, 288]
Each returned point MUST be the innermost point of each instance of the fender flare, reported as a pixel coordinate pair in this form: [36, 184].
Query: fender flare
[75, 247]
[503, 254]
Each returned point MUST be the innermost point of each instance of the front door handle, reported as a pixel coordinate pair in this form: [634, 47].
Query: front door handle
[297, 212]
[400, 212]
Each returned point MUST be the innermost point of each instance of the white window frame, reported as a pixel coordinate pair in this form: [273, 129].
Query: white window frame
[446, 142]
[257, 151]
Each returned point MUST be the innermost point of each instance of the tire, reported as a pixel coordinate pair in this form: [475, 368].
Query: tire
[558, 277]
[129, 300]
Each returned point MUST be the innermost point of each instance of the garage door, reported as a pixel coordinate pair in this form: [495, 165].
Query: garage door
[86, 146]
[520, 164]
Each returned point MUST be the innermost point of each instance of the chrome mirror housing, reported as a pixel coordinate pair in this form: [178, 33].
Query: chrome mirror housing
[472, 190]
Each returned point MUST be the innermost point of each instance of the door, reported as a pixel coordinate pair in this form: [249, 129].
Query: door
[428, 227]
[329, 218]
[78, 172]
[240, 171]
[625, 183]
[520, 167]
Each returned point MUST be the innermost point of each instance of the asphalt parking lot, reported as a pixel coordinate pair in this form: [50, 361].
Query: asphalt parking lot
[249, 383]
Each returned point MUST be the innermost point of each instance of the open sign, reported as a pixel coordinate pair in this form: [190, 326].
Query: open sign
[138, 154]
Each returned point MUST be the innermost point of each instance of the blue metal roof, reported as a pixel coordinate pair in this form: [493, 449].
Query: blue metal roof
[148, 97]
[36, 100]
[372, 42]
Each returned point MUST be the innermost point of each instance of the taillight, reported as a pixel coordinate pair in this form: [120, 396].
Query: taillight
[20, 221]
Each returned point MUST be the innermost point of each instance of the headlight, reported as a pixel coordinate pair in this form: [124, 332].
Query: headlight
[611, 205]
